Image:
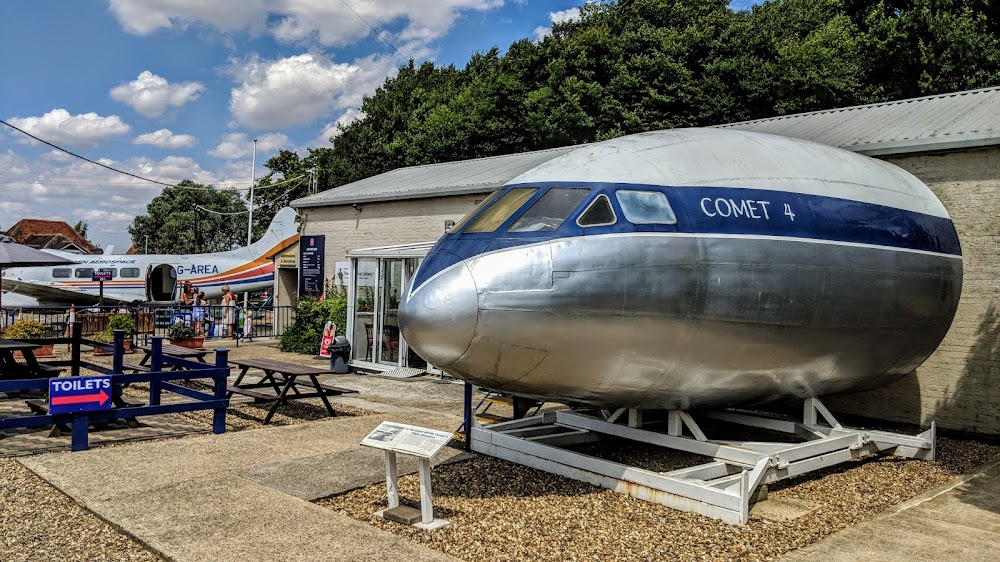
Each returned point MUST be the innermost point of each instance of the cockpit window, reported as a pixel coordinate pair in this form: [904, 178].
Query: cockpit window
[550, 210]
[599, 213]
[646, 207]
[482, 204]
[500, 211]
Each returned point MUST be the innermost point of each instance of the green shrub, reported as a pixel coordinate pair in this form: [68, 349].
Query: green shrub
[122, 322]
[180, 331]
[305, 334]
[104, 336]
[24, 329]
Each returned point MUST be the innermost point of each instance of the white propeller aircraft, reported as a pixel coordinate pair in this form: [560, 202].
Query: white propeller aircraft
[157, 277]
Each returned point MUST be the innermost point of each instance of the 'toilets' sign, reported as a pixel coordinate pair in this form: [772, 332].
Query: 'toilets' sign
[101, 275]
[79, 394]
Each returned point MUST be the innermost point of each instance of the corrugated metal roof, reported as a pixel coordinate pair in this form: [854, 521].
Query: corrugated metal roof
[943, 122]
[480, 175]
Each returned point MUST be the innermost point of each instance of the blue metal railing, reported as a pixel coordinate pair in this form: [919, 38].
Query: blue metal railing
[159, 380]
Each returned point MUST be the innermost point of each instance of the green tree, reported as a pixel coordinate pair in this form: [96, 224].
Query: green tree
[81, 228]
[191, 218]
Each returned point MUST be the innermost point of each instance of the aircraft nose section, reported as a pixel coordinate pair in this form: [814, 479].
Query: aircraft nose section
[439, 319]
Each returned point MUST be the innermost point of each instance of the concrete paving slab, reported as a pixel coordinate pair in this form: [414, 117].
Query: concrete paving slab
[312, 478]
[230, 518]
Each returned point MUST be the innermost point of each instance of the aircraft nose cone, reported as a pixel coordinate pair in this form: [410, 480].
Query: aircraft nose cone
[439, 319]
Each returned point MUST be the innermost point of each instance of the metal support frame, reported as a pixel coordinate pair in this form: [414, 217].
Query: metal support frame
[724, 488]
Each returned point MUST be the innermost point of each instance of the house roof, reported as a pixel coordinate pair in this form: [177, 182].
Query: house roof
[53, 235]
[954, 121]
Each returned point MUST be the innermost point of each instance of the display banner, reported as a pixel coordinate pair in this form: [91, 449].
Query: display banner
[329, 331]
[312, 252]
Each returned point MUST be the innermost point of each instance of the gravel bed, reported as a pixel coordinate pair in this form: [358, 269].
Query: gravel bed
[502, 511]
[40, 523]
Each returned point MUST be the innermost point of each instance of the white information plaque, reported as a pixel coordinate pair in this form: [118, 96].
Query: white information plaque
[408, 439]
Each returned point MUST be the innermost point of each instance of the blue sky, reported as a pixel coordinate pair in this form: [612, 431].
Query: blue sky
[177, 89]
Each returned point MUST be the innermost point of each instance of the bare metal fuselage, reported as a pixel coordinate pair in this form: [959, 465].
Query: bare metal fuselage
[688, 321]
[792, 269]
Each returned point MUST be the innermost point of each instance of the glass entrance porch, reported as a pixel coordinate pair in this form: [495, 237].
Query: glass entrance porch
[378, 281]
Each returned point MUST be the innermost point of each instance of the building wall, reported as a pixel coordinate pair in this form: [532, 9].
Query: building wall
[383, 223]
[959, 385]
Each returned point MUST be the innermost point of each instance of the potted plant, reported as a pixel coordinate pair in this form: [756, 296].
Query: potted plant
[104, 336]
[123, 322]
[27, 329]
[183, 335]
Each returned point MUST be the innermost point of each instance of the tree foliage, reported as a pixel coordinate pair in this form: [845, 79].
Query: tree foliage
[191, 218]
[628, 66]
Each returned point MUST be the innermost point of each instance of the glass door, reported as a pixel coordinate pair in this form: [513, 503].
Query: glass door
[365, 293]
[391, 287]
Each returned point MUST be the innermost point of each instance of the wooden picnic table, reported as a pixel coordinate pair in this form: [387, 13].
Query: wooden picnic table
[10, 367]
[178, 351]
[281, 377]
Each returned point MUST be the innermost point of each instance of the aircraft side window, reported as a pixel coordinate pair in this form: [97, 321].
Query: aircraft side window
[113, 270]
[62, 273]
[500, 211]
[646, 207]
[130, 272]
[84, 273]
[551, 209]
[599, 213]
[482, 205]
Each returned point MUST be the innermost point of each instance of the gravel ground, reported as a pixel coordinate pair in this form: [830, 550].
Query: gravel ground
[502, 511]
[39, 523]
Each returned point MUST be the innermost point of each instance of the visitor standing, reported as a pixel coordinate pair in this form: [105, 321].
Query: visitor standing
[228, 310]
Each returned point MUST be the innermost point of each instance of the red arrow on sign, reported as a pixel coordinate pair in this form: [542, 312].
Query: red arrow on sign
[80, 398]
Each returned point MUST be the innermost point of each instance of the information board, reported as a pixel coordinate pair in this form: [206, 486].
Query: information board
[409, 439]
[312, 252]
[68, 395]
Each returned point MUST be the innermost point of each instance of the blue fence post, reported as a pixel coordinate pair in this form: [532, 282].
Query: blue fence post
[219, 415]
[155, 366]
[81, 424]
[119, 357]
[75, 336]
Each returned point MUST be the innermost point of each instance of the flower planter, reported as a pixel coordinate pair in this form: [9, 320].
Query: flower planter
[46, 351]
[193, 343]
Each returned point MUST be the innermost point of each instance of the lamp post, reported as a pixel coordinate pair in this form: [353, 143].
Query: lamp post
[253, 179]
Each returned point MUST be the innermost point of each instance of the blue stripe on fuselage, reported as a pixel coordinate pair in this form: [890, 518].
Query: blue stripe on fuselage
[721, 210]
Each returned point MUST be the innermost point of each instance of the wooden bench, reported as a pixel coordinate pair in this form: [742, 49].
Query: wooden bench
[135, 367]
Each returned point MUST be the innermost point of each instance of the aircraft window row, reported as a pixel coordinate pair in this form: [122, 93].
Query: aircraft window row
[599, 213]
[645, 207]
[130, 272]
[551, 209]
[62, 273]
[83, 272]
[500, 211]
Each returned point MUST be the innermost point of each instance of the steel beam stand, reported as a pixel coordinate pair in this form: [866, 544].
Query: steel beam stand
[725, 488]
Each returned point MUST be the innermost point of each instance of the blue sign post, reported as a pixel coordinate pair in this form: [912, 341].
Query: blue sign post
[79, 394]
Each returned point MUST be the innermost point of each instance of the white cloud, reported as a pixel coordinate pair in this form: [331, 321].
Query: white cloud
[300, 89]
[59, 127]
[323, 22]
[152, 95]
[562, 16]
[331, 130]
[165, 138]
[240, 145]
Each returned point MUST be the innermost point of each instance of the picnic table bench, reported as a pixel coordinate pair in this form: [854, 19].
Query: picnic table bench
[282, 378]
